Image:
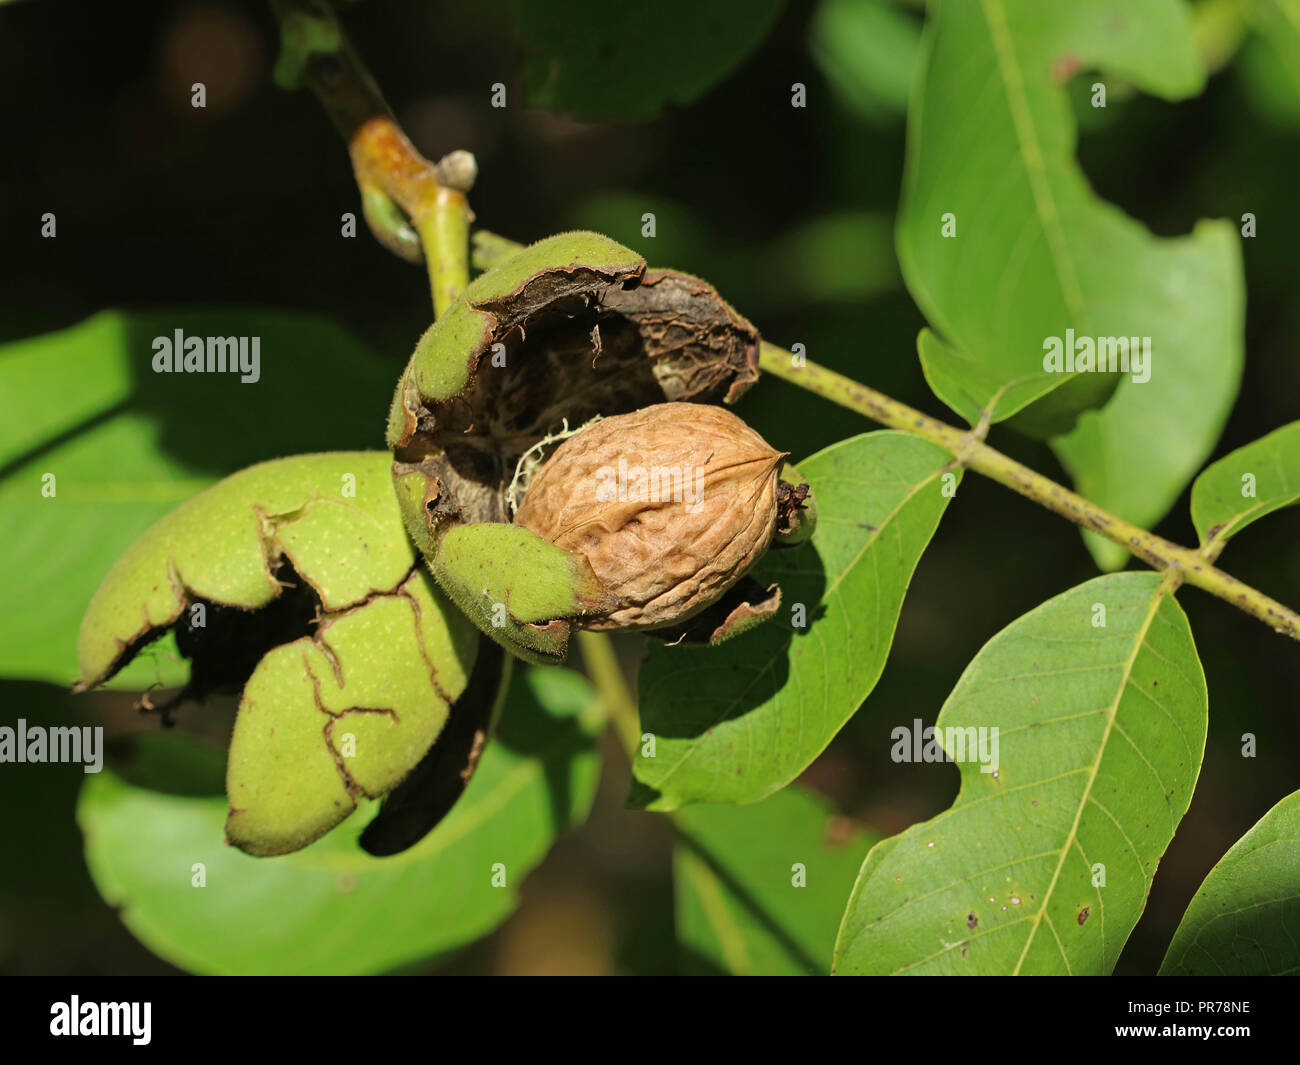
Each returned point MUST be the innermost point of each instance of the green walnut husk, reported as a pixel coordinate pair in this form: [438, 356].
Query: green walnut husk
[314, 605]
[570, 328]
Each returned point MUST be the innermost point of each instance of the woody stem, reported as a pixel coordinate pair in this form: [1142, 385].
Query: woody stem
[1189, 566]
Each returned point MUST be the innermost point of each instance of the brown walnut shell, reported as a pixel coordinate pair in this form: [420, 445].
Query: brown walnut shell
[671, 505]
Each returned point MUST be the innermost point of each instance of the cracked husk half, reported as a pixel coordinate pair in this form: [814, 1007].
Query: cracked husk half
[348, 656]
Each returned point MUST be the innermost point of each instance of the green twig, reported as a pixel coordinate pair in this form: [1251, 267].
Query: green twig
[1187, 565]
[606, 673]
[444, 232]
[403, 195]
[488, 250]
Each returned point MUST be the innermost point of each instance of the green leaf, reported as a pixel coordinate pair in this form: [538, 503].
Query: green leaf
[840, 256]
[627, 61]
[1278, 23]
[972, 388]
[759, 887]
[331, 908]
[1268, 468]
[1101, 731]
[1036, 252]
[869, 52]
[992, 114]
[1245, 920]
[125, 445]
[737, 722]
[1267, 83]
[1135, 456]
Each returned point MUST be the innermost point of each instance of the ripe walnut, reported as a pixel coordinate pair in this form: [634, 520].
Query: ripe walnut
[670, 505]
[572, 328]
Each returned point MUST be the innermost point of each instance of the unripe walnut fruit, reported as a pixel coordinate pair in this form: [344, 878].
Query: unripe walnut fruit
[670, 505]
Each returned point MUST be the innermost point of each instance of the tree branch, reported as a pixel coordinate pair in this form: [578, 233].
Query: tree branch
[1191, 567]
[396, 181]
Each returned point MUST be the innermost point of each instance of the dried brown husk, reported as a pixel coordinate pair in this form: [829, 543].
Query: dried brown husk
[666, 336]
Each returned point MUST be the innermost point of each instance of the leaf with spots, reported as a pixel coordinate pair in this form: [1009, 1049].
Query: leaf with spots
[758, 887]
[1043, 864]
[737, 722]
[1245, 920]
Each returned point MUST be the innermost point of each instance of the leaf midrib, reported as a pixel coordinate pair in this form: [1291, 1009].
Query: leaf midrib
[1139, 640]
[870, 542]
[709, 891]
[1031, 155]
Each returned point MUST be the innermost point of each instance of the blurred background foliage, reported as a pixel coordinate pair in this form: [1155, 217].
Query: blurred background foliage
[789, 212]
